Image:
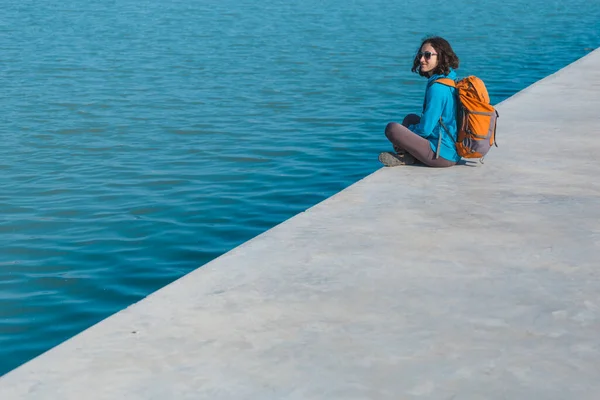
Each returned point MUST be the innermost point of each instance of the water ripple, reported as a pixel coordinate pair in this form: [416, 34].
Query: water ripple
[141, 140]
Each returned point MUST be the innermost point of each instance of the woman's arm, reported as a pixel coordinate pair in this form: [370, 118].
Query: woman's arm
[436, 99]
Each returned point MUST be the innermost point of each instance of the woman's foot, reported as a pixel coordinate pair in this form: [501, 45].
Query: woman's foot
[390, 159]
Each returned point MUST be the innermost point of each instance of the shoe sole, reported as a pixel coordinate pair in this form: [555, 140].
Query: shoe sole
[393, 160]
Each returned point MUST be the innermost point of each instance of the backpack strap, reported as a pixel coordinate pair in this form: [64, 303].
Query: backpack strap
[437, 152]
[443, 81]
[495, 124]
[446, 81]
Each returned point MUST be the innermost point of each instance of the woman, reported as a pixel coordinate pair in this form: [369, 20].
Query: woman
[418, 137]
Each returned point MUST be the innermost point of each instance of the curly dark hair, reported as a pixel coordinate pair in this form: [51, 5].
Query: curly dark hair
[446, 57]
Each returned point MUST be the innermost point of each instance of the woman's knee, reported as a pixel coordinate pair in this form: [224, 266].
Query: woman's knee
[391, 128]
[411, 119]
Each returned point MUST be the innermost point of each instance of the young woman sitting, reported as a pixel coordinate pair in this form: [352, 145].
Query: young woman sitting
[418, 137]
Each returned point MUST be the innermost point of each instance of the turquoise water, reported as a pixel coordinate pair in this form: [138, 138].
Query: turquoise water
[141, 139]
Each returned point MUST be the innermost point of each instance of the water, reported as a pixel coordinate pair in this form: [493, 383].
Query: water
[141, 139]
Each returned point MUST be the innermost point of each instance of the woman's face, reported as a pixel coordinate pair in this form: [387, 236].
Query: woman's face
[428, 59]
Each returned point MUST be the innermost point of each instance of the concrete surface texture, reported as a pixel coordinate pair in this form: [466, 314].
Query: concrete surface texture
[414, 283]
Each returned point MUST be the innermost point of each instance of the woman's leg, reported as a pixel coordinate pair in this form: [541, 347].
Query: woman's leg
[403, 138]
[410, 119]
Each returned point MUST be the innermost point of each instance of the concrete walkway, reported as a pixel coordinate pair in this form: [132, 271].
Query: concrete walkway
[465, 283]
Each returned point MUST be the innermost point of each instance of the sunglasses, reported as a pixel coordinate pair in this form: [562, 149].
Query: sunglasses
[426, 54]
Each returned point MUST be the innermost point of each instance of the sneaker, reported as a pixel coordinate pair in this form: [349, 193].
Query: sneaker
[390, 159]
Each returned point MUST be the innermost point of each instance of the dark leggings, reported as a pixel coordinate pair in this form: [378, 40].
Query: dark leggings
[404, 139]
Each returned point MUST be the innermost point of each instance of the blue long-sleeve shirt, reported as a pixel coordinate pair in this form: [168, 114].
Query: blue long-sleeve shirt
[440, 101]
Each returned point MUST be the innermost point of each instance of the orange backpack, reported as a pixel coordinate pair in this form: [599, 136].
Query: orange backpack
[476, 119]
